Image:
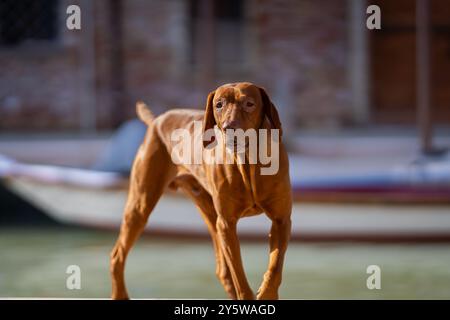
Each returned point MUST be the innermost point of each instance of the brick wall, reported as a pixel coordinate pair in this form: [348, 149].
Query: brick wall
[39, 84]
[296, 49]
[305, 42]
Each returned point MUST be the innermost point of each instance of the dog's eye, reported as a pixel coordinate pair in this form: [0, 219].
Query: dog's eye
[219, 105]
[250, 104]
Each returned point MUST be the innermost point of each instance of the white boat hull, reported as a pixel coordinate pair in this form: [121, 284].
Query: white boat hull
[177, 215]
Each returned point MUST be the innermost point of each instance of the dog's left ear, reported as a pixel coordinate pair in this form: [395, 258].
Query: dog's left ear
[208, 121]
[270, 111]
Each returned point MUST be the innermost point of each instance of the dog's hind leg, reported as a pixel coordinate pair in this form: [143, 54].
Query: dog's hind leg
[151, 172]
[204, 204]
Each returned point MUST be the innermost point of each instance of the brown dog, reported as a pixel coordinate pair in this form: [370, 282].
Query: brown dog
[223, 193]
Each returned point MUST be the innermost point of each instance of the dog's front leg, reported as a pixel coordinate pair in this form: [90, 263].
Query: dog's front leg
[229, 242]
[279, 237]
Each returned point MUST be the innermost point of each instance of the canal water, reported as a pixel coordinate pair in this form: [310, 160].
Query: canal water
[33, 263]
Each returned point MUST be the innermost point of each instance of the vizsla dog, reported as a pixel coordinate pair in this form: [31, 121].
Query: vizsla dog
[222, 192]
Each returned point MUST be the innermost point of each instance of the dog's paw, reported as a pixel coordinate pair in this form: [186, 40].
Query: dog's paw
[267, 295]
[120, 296]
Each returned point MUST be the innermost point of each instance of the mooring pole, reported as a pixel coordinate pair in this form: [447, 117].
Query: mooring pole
[423, 75]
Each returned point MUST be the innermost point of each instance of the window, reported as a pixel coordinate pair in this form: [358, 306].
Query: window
[217, 29]
[22, 20]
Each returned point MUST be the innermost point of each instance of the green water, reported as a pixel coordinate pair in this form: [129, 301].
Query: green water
[33, 264]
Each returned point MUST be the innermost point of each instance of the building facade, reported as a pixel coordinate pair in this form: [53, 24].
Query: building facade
[321, 65]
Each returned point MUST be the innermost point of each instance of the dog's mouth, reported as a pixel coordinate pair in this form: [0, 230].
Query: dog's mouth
[235, 144]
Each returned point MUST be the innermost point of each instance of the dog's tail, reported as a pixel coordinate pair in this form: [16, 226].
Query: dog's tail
[144, 113]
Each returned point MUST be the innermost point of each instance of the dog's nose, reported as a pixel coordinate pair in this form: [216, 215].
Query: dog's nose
[233, 124]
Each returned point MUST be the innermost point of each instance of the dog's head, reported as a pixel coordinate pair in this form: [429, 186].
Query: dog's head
[240, 105]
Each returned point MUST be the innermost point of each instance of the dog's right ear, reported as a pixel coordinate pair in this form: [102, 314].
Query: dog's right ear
[208, 121]
[270, 111]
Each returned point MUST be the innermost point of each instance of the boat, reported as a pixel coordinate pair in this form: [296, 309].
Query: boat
[341, 202]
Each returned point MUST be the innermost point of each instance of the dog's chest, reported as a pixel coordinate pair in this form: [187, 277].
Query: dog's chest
[234, 187]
